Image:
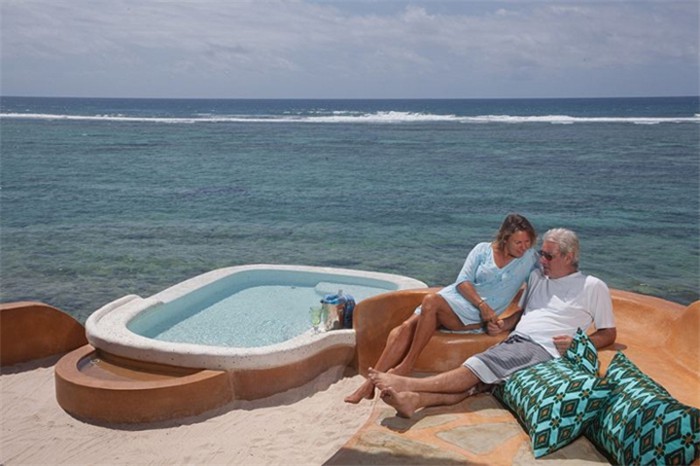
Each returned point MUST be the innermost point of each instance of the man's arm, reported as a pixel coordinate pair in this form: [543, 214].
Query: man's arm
[603, 337]
[600, 338]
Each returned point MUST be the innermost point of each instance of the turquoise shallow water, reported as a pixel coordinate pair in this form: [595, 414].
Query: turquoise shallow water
[106, 197]
[229, 322]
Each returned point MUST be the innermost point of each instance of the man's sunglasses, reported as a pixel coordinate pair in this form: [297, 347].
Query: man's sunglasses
[546, 255]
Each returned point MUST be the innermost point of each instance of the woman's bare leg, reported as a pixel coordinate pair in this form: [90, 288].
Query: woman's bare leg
[397, 345]
[435, 311]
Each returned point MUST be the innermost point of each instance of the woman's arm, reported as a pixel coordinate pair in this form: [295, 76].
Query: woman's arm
[467, 290]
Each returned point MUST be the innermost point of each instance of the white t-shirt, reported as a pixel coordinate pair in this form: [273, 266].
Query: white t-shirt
[561, 306]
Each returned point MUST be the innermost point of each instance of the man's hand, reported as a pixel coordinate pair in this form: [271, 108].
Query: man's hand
[562, 343]
[494, 328]
[503, 325]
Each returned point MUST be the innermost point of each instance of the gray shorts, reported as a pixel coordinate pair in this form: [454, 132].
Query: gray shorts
[497, 363]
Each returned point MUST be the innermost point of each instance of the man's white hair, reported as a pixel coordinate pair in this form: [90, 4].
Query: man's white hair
[566, 240]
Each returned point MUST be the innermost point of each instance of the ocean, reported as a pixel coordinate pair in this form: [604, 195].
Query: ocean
[100, 198]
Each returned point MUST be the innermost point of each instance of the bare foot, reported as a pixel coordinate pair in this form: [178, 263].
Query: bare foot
[384, 380]
[480, 387]
[405, 403]
[401, 369]
[366, 391]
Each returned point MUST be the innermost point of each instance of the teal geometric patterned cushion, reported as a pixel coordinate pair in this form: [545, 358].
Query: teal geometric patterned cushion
[642, 423]
[555, 400]
[582, 352]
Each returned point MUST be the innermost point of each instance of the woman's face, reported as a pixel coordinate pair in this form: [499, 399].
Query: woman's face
[518, 243]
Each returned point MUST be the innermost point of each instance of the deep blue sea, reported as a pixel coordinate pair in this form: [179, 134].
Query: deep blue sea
[100, 198]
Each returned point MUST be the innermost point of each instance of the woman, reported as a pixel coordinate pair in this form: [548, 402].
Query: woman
[491, 276]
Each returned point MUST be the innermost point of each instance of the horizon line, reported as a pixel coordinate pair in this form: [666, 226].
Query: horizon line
[349, 98]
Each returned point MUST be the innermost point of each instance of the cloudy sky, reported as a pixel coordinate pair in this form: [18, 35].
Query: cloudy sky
[349, 48]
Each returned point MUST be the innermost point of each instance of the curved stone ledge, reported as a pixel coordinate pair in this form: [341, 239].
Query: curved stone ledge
[32, 330]
[95, 386]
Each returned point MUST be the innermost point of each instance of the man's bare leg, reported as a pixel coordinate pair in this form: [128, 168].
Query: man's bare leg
[457, 380]
[407, 403]
[397, 345]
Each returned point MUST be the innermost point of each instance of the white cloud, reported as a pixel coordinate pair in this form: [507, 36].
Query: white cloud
[277, 48]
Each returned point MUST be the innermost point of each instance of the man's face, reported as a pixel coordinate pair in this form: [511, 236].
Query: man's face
[554, 264]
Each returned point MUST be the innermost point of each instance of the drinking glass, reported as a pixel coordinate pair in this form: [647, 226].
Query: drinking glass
[315, 313]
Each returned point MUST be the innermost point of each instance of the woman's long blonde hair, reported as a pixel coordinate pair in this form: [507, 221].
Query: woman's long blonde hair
[514, 223]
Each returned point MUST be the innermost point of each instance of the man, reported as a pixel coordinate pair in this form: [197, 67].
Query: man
[559, 300]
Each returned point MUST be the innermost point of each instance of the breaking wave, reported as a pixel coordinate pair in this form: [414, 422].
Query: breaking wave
[382, 117]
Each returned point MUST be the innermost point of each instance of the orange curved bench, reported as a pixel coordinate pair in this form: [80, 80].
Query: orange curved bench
[374, 318]
[32, 330]
[661, 337]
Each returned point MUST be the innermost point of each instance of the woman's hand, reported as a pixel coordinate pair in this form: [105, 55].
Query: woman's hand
[487, 314]
[504, 325]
